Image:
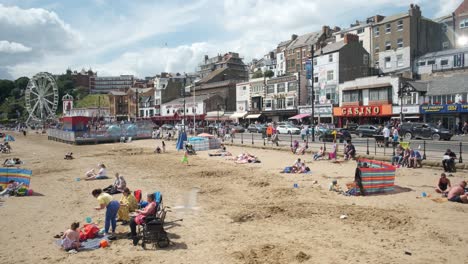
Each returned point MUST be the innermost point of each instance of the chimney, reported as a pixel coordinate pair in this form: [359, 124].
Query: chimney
[326, 30]
[336, 29]
[272, 55]
[348, 38]
[293, 37]
[206, 58]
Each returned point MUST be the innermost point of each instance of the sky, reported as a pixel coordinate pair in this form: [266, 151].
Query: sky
[146, 37]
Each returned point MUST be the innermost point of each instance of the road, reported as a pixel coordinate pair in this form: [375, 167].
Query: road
[434, 149]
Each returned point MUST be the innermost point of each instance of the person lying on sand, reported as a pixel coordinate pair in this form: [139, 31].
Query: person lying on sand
[246, 158]
[102, 173]
[444, 185]
[457, 193]
[71, 238]
[11, 188]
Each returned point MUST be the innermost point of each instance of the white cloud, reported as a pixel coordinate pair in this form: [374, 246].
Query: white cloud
[12, 47]
[446, 7]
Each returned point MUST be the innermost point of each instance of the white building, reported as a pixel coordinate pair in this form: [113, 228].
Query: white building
[395, 60]
[242, 100]
[90, 112]
[445, 60]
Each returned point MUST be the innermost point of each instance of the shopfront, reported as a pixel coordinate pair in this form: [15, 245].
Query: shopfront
[449, 114]
[370, 114]
[323, 113]
[410, 112]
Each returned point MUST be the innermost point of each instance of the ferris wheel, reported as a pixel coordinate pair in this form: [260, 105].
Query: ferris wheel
[42, 98]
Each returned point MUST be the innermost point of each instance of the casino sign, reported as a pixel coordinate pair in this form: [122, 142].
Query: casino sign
[370, 110]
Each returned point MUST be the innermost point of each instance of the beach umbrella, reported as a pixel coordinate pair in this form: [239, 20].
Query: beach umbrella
[205, 135]
[9, 138]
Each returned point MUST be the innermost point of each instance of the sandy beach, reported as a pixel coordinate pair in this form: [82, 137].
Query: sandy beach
[231, 213]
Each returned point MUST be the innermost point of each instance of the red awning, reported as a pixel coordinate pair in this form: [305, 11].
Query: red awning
[300, 116]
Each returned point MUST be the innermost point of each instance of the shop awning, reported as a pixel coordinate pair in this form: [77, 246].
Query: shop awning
[215, 113]
[238, 115]
[405, 117]
[166, 118]
[299, 116]
[255, 116]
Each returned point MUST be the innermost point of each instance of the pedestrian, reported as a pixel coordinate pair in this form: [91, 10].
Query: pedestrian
[386, 134]
[163, 146]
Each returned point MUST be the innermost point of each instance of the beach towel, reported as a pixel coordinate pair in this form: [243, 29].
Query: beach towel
[89, 244]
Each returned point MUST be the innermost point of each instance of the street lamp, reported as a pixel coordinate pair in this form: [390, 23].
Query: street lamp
[312, 94]
[183, 95]
[405, 90]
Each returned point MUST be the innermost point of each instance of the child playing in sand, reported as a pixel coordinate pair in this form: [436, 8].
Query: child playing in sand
[163, 146]
[185, 158]
[157, 150]
[71, 238]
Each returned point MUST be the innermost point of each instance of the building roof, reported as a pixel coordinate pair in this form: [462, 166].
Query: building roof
[392, 18]
[146, 99]
[140, 90]
[284, 43]
[198, 99]
[445, 18]
[333, 47]
[443, 53]
[345, 30]
[306, 39]
[447, 85]
[212, 74]
[420, 86]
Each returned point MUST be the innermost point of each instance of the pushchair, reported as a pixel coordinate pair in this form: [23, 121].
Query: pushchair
[152, 232]
[190, 150]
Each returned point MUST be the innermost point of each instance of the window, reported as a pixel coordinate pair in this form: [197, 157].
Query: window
[399, 43]
[342, 35]
[280, 87]
[377, 48]
[280, 103]
[270, 89]
[381, 94]
[430, 62]
[361, 30]
[444, 62]
[281, 56]
[330, 58]
[315, 79]
[298, 54]
[388, 28]
[445, 45]
[388, 62]
[298, 67]
[268, 103]
[464, 23]
[292, 86]
[304, 53]
[351, 96]
[315, 61]
[422, 63]
[361, 43]
[365, 59]
[290, 102]
[329, 75]
[388, 45]
[303, 67]
[399, 60]
[400, 25]
[376, 31]
[411, 99]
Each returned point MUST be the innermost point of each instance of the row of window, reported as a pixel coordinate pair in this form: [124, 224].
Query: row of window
[388, 45]
[381, 94]
[330, 76]
[448, 98]
[388, 62]
[280, 103]
[388, 28]
[281, 87]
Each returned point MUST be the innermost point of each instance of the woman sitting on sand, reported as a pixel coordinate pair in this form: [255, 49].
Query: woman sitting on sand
[128, 204]
[118, 185]
[444, 185]
[71, 238]
[102, 173]
[319, 154]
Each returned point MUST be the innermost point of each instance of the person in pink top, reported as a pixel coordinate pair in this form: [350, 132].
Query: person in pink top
[138, 219]
[71, 238]
[457, 193]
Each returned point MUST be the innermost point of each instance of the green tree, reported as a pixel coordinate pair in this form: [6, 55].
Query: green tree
[269, 74]
[80, 92]
[257, 74]
[6, 86]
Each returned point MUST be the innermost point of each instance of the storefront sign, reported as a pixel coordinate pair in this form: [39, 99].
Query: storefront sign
[444, 109]
[371, 110]
[409, 109]
[319, 110]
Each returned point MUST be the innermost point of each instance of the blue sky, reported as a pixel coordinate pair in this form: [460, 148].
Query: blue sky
[144, 37]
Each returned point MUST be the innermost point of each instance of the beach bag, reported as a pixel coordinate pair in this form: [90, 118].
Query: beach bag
[137, 194]
[88, 231]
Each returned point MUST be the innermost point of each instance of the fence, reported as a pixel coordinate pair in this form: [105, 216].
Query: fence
[430, 150]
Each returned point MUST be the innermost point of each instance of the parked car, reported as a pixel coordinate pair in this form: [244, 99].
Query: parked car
[2, 135]
[342, 135]
[352, 127]
[287, 129]
[424, 131]
[367, 130]
[256, 128]
[237, 128]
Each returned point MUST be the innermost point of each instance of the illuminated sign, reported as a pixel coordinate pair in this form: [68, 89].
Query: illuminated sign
[361, 111]
[444, 109]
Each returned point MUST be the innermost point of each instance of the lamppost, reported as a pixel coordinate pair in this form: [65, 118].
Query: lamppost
[136, 103]
[217, 122]
[312, 94]
[404, 90]
[183, 95]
